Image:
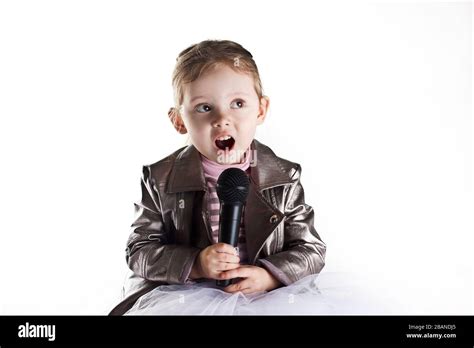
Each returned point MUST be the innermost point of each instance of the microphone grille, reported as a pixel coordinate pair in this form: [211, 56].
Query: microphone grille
[233, 185]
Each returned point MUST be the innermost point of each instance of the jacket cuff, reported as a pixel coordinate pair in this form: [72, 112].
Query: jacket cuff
[181, 263]
[187, 272]
[275, 271]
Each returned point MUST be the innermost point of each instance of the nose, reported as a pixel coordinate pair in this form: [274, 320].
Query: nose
[221, 120]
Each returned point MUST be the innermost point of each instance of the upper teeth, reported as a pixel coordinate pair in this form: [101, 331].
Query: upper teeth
[224, 137]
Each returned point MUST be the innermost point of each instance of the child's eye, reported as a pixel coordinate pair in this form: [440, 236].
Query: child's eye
[203, 108]
[239, 104]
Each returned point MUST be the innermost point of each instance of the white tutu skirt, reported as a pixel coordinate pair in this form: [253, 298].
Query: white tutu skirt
[324, 293]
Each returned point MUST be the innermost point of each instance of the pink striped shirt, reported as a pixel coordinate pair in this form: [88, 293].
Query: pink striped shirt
[212, 170]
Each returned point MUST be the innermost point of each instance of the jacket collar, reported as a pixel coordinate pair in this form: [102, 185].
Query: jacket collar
[266, 171]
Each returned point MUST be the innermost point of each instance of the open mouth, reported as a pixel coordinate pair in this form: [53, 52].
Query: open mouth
[225, 142]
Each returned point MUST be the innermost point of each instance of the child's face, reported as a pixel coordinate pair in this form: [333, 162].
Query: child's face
[222, 103]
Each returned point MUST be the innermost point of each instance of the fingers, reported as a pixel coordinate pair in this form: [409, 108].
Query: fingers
[243, 286]
[218, 258]
[225, 248]
[226, 262]
[223, 257]
[225, 266]
[242, 271]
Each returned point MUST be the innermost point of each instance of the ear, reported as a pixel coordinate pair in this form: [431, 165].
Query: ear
[263, 109]
[177, 121]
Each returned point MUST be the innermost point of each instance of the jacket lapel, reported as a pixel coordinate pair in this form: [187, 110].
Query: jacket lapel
[261, 217]
[186, 172]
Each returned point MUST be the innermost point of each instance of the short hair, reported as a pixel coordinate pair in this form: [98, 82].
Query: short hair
[198, 58]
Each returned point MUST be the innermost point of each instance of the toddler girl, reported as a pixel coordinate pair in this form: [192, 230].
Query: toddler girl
[173, 251]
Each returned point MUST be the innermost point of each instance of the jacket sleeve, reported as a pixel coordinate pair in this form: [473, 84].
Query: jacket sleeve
[148, 254]
[303, 250]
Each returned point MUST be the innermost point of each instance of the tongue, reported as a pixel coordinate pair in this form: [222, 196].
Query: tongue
[223, 144]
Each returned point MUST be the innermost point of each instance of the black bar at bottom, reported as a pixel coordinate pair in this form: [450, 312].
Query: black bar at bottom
[262, 330]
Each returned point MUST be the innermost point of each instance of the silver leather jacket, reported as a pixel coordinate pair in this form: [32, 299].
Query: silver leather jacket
[171, 225]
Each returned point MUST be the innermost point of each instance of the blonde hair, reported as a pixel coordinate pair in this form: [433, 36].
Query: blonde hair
[198, 58]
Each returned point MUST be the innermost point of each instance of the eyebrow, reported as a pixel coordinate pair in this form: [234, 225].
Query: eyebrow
[229, 95]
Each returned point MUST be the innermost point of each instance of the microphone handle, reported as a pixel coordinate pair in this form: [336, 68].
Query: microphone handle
[223, 282]
[230, 216]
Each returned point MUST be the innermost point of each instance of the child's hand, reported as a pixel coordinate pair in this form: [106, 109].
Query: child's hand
[254, 279]
[216, 258]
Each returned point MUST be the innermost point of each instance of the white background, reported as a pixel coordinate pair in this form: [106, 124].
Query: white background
[374, 100]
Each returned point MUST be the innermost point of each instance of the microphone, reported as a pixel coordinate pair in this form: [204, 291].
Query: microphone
[232, 189]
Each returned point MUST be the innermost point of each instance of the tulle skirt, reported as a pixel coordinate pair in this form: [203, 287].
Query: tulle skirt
[324, 293]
